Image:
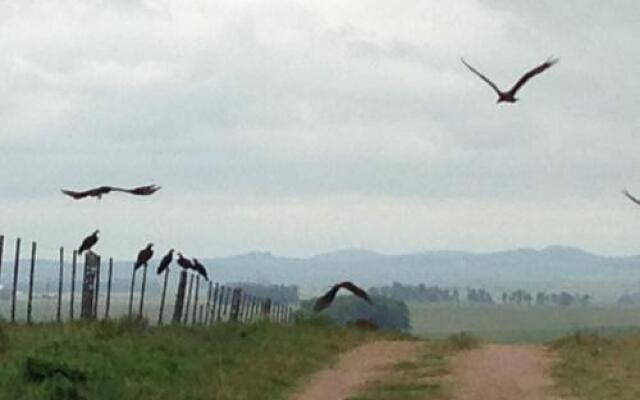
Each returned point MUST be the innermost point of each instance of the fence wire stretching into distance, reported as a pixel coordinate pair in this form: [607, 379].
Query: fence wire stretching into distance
[86, 287]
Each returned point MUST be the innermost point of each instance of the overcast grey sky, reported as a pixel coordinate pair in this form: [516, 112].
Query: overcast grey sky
[306, 126]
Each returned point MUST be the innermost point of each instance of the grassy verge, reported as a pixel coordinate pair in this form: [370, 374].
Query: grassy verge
[125, 360]
[423, 379]
[593, 367]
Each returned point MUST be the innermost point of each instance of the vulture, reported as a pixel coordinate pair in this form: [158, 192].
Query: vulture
[510, 95]
[102, 190]
[89, 241]
[325, 300]
[634, 199]
[200, 269]
[144, 256]
[184, 262]
[165, 262]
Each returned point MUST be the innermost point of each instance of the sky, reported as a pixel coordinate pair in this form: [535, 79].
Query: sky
[300, 127]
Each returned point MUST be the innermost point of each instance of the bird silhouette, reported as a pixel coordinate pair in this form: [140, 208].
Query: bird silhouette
[630, 197]
[144, 256]
[165, 262]
[200, 269]
[184, 262]
[102, 190]
[510, 95]
[89, 241]
[326, 299]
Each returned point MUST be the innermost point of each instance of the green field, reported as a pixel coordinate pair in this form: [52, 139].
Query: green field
[510, 323]
[127, 360]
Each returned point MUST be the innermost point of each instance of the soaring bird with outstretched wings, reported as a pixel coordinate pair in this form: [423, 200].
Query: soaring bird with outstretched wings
[102, 190]
[326, 299]
[510, 95]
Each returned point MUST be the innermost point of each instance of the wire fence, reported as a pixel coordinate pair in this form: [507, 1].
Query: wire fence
[84, 289]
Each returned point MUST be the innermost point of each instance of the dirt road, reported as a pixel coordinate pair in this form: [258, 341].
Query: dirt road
[355, 369]
[502, 372]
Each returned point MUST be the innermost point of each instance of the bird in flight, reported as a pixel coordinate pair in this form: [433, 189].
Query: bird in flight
[89, 241]
[144, 256]
[632, 198]
[325, 300]
[102, 190]
[200, 269]
[510, 95]
[165, 262]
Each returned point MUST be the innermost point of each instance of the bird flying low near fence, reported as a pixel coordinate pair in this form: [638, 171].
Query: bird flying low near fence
[510, 95]
[102, 190]
[326, 299]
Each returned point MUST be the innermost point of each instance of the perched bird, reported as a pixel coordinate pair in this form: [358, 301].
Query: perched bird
[102, 190]
[634, 199]
[510, 95]
[184, 262]
[89, 241]
[144, 256]
[165, 262]
[325, 300]
[200, 269]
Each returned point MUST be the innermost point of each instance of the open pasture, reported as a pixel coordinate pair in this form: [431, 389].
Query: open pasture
[510, 323]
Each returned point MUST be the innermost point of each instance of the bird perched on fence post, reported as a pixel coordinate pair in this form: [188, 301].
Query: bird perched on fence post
[326, 299]
[165, 262]
[184, 262]
[200, 269]
[89, 241]
[144, 256]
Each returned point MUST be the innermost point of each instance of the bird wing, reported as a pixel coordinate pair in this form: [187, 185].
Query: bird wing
[74, 194]
[537, 70]
[356, 291]
[326, 299]
[484, 78]
[144, 190]
[634, 199]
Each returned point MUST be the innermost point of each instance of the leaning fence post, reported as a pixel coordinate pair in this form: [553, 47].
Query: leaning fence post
[186, 313]
[195, 300]
[235, 304]
[215, 301]
[133, 283]
[97, 291]
[164, 293]
[31, 270]
[15, 281]
[107, 306]
[73, 283]
[1, 254]
[177, 307]
[60, 280]
[144, 286]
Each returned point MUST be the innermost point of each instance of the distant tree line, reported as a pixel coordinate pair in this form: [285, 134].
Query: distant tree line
[542, 298]
[284, 294]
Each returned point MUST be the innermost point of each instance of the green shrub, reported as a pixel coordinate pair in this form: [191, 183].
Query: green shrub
[463, 341]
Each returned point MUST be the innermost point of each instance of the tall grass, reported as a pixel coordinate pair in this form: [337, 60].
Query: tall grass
[129, 360]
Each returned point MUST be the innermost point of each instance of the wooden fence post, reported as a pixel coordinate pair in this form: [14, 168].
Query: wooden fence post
[97, 291]
[235, 304]
[208, 305]
[227, 303]
[220, 298]
[213, 305]
[142, 291]
[16, 264]
[72, 295]
[162, 297]
[107, 306]
[186, 313]
[266, 309]
[1, 254]
[200, 313]
[87, 309]
[60, 281]
[177, 307]
[133, 284]
[31, 271]
[195, 300]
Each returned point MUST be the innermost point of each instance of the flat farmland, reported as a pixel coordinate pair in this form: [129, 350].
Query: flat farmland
[514, 324]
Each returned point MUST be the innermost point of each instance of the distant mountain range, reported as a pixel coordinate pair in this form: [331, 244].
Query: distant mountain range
[551, 268]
